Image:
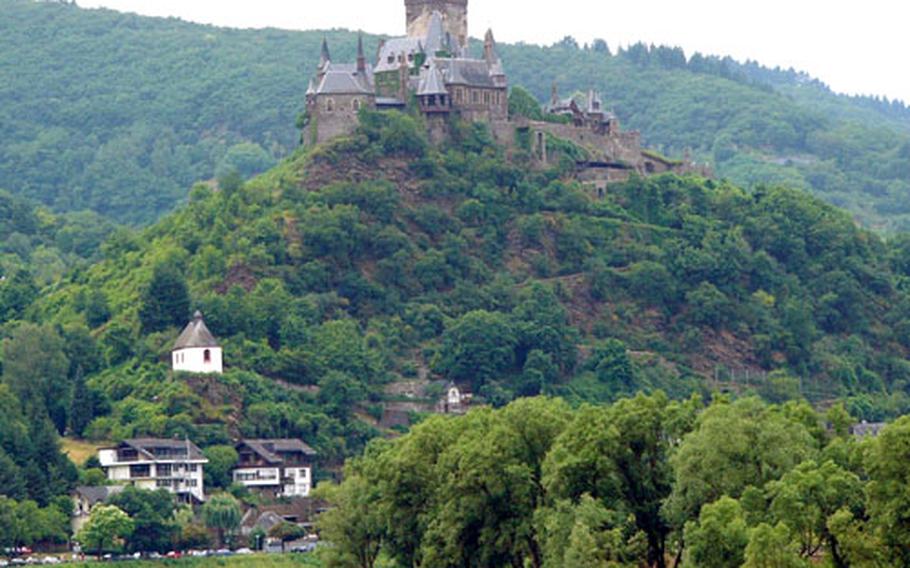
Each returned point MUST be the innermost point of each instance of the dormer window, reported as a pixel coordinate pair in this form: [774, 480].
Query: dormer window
[391, 59]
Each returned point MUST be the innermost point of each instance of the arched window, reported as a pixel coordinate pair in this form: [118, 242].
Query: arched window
[356, 105]
[207, 356]
[329, 105]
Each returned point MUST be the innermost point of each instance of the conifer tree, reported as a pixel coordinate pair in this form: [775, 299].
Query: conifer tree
[82, 409]
[166, 300]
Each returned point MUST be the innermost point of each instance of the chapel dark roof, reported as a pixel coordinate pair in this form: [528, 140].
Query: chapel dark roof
[344, 79]
[195, 335]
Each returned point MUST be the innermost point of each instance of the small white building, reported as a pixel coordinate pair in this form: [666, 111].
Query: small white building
[277, 468]
[84, 500]
[196, 350]
[153, 463]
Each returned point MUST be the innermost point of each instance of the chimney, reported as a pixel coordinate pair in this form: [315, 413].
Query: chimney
[361, 59]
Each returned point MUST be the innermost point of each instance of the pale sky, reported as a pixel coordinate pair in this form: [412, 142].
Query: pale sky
[856, 47]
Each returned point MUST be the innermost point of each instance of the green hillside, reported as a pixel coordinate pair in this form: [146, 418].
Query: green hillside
[120, 114]
[331, 285]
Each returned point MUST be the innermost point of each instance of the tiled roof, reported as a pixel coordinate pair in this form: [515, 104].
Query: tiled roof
[98, 493]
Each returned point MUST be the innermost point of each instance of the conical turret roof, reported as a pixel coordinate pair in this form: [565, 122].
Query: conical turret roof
[195, 335]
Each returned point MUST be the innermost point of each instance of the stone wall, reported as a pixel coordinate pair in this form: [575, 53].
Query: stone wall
[332, 116]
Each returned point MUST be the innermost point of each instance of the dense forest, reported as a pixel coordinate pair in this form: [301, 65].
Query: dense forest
[328, 284]
[644, 482]
[120, 114]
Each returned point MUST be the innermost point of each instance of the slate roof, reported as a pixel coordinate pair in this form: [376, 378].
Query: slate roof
[195, 335]
[468, 72]
[436, 38]
[431, 81]
[94, 494]
[147, 446]
[269, 449]
[344, 79]
[395, 47]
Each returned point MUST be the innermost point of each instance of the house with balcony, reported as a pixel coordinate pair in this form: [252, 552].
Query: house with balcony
[275, 468]
[154, 463]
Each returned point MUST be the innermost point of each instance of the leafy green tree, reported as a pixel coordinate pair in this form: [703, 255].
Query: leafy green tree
[222, 460]
[804, 500]
[165, 301]
[104, 527]
[770, 547]
[523, 104]
[287, 532]
[478, 347]
[720, 536]
[152, 514]
[35, 368]
[16, 294]
[354, 523]
[708, 463]
[222, 513]
[888, 464]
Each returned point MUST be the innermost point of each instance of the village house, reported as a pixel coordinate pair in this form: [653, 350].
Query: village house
[85, 498]
[276, 468]
[153, 463]
[196, 350]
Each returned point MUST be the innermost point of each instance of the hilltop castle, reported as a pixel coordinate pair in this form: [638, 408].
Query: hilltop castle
[433, 66]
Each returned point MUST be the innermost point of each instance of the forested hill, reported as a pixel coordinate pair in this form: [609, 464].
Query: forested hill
[337, 289]
[121, 114]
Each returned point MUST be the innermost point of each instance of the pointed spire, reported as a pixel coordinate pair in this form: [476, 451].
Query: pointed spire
[489, 47]
[325, 57]
[361, 58]
[554, 94]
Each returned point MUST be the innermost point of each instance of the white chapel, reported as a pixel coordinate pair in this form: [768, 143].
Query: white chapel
[196, 350]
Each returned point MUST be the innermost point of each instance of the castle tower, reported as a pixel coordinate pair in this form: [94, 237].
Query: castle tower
[454, 15]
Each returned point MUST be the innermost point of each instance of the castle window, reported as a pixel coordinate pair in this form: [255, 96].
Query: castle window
[356, 105]
[392, 59]
[207, 356]
[410, 57]
[329, 105]
[486, 98]
[475, 97]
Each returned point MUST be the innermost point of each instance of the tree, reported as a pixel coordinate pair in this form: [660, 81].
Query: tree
[353, 524]
[770, 547]
[165, 301]
[720, 536]
[888, 464]
[807, 497]
[522, 103]
[106, 524]
[222, 513]
[35, 368]
[734, 446]
[82, 409]
[222, 460]
[152, 513]
[478, 347]
[287, 532]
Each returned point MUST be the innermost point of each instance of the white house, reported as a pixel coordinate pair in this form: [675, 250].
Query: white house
[277, 468]
[152, 463]
[196, 350]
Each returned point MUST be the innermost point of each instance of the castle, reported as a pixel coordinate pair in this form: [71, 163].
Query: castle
[432, 66]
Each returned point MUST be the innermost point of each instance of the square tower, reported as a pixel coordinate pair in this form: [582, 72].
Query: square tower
[454, 17]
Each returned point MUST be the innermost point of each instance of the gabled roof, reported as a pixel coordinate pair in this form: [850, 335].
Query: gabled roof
[395, 47]
[269, 450]
[94, 494]
[147, 446]
[469, 72]
[344, 80]
[195, 334]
